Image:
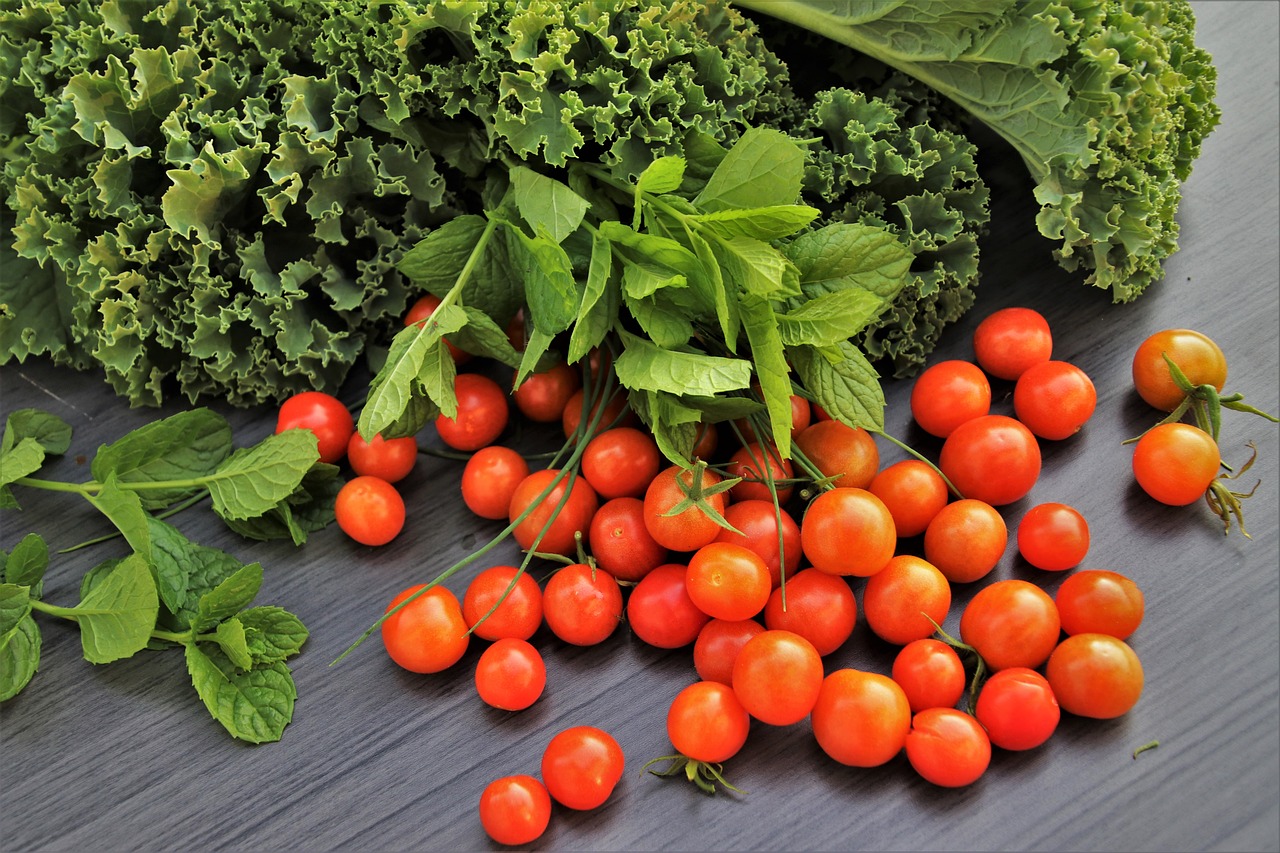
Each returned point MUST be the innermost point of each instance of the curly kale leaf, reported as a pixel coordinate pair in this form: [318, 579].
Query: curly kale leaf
[1106, 102]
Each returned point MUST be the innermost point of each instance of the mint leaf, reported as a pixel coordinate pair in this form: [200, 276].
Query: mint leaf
[763, 168]
[436, 261]
[757, 223]
[644, 248]
[643, 366]
[847, 255]
[50, 431]
[600, 302]
[254, 706]
[22, 459]
[273, 633]
[666, 324]
[663, 175]
[547, 205]
[772, 371]
[482, 336]
[15, 603]
[755, 267]
[674, 426]
[849, 389]
[830, 318]
[171, 557]
[308, 509]
[726, 308]
[413, 350]
[26, 563]
[228, 598]
[186, 446]
[117, 616]
[124, 508]
[231, 637]
[254, 479]
[205, 569]
[19, 657]
[550, 289]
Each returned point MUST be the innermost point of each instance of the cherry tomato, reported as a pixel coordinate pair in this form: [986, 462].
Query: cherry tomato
[515, 810]
[1053, 537]
[660, 611]
[1017, 708]
[582, 605]
[1175, 463]
[424, 308]
[841, 451]
[727, 581]
[369, 510]
[706, 441]
[706, 722]
[965, 540]
[1010, 340]
[818, 606]
[542, 396]
[481, 417]
[580, 766]
[861, 719]
[691, 528]
[386, 459]
[757, 466]
[510, 674]
[913, 491]
[841, 516]
[1095, 675]
[561, 522]
[1011, 623]
[489, 479]
[1054, 399]
[502, 601]
[949, 393]
[1196, 355]
[428, 634]
[777, 676]
[930, 673]
[616, 413]
[993, 458]
[900, 600]
[756, 527]
[325, 416]
[620, 542]
[1095, 601]
[948, 747]
[621, 462]
[717, 647]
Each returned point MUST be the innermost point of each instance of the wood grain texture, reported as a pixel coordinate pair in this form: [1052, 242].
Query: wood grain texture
[123, 757]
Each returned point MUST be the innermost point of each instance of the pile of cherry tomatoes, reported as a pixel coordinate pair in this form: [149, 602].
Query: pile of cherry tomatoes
[752, 561]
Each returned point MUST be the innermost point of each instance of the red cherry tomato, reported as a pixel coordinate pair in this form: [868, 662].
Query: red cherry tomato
[621, 543]
[325, 416]
[965, 540]
[1176, 463]
[706, 722]
[930, 673]
[756, 527]
[818, 606]
[759, 466]
[838, 517]
[841, 451]
[581, 766]
[387, 459]
[727, 581]
[502, 601]
[861, 719]
[424, 308]
[1196, 355]
[906, 600]
[582, 605]
[481, 417]
[1010, 340]
[1018, 709]
[515, 810]
[369, 510]
[556, 522]
[510, 674]
[1053, 537]
[1095, 675]
[913, 491]
[428, 634]
[993, 458]
[1011, 623]
[660, 611]
[717, 646]
[1095, 601]
[1054, 399]
[777, 676]
[616, 413]
[948, 747]
[621, 462]
[949, 393]
[691, 528]
[490, 478]
[542, 396]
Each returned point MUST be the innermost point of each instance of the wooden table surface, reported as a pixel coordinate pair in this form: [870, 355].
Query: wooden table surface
[123, 756]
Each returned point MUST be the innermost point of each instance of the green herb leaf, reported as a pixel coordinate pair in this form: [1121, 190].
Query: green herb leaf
[482, 336]
[846, 255]
[232, 638]
[830, 318]
[26, 563]
[772, 371]
[308, 509]
[764, 168]
[15, 603]
[254, 479]
[124, 508]
[643, 366]
[663, 175]
[117, 616]
[23, 459]
[436, 261]
[228, 598]
[254, 706]
[600, 302]
[186, 446]
[552, 294]
[19, 657]
[414, 367]
[755, 267]
[274, 634]
[51, 431]
[756, 223]
[666, 324]
[849, 389]
[548, 206]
